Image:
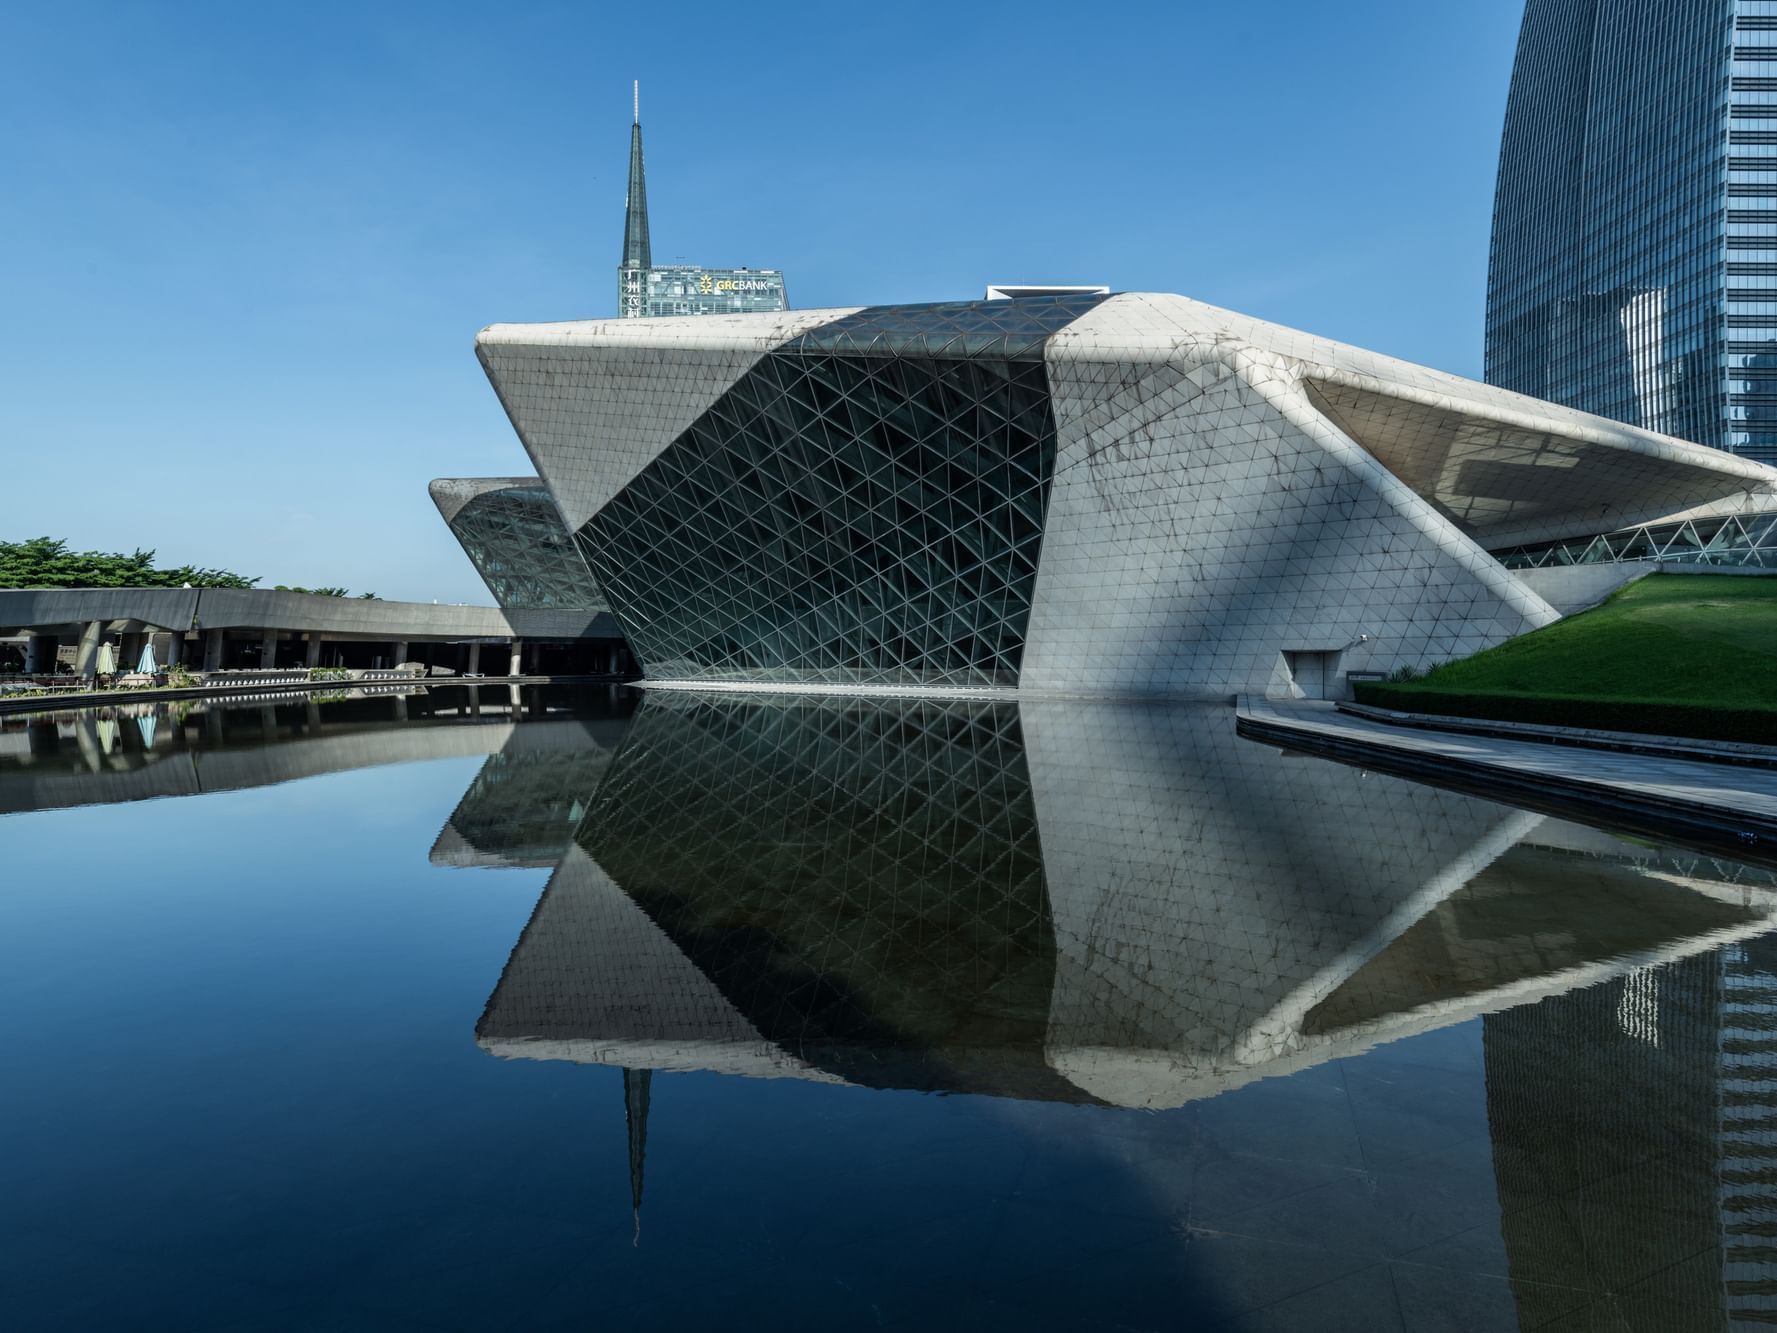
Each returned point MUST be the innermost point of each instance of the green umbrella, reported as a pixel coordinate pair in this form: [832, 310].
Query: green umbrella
[107, 664]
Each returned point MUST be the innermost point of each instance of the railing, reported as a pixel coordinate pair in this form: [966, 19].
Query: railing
[255, 677]
[131, 681]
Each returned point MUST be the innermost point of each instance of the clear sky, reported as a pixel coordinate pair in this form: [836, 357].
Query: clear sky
[245, 248]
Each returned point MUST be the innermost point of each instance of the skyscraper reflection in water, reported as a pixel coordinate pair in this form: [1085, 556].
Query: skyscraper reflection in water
[1660, 1134]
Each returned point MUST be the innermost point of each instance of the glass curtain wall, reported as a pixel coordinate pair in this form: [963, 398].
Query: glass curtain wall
[1633, 272]
[865, 505]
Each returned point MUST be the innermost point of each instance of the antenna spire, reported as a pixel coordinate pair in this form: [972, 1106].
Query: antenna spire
[636, 252]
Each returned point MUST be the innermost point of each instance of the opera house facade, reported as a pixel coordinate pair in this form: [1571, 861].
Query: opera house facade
[1128, 494]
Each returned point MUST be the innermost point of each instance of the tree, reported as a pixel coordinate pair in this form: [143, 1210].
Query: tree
[45, 562]
[325, 592]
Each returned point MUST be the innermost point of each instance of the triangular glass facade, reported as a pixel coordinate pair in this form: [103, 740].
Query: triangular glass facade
[865, 506]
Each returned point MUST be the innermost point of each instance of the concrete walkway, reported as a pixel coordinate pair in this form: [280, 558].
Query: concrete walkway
[1723, 807]
[1587, 738]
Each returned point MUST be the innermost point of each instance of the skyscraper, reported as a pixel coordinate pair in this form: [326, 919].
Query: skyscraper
[680, 289]
[1634, 258]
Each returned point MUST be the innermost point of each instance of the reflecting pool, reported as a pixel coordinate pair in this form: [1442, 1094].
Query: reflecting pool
[487, 1008]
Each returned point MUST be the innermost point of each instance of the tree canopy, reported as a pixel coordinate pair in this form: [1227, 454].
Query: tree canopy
[328, 591]
[46, 562]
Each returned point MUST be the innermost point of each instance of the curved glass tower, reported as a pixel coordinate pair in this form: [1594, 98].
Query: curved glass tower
[1634, 260]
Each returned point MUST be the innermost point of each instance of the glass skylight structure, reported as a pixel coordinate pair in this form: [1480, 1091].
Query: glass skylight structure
[513, 534]
[1745, 541]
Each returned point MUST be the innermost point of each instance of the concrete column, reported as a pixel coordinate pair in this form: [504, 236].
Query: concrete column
[401, 708]
[517, 665]
[213, 650]
[268, 650]
[87, 661]
[86, 736]
[312, 657]
[311, 715]
[129, 652]
[40, 654]
[175, 650]
[400, 654]
[474, 660]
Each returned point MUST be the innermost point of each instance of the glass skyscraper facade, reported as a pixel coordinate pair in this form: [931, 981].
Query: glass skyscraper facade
[647, 292]
[1634, 257]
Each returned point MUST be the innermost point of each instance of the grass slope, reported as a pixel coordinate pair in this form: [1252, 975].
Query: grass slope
[1678, 654]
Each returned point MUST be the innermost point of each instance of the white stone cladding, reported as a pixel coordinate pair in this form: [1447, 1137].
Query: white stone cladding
[1205, 520]
[594, 402]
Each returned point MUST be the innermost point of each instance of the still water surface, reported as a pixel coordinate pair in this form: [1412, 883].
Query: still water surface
[481, 1009]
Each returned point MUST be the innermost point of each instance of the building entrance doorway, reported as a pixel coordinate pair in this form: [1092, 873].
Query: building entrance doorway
[1315, 672]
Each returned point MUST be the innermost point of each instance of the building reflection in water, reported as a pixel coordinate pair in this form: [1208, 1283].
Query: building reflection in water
[152, 750]
[1100, 904]
[1127, 905]
[1658, 1134]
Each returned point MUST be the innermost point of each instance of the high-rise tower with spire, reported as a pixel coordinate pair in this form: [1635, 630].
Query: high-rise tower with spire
[679, 289]
[637, 256]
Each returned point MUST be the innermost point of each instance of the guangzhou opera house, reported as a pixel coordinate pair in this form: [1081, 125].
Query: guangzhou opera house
[1113, 494]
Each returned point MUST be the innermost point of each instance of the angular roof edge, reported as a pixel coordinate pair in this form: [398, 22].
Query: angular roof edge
[450, 494]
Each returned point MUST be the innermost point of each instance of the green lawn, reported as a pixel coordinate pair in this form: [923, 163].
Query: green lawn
[1680, 654]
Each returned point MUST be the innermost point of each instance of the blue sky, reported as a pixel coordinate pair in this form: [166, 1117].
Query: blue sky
[245, 248]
